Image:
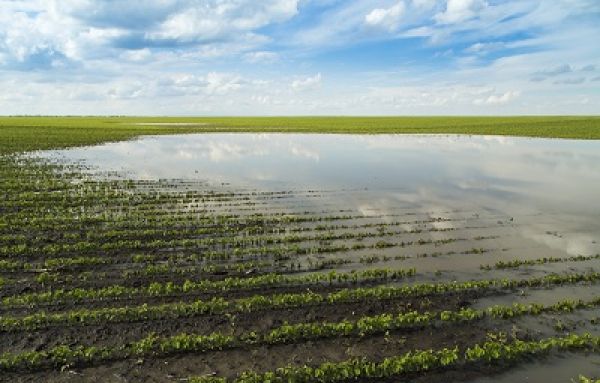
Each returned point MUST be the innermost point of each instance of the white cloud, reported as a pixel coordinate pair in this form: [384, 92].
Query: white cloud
[219, 83]
[136, 55]
[388, 18]
[127, 91]
[40, 32]
[336, 26]
[45, 37]
[497, 99]
[213, 83]
[261, 57]
[484, 48]
[209, 20]
[460, 10]
[307, 83]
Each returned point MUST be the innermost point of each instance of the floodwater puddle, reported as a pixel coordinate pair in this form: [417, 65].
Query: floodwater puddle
[565, 368]
[544, 190]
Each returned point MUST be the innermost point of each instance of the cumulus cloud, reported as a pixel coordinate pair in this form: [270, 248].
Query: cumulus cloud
[127, 91]
[307, 83]
[45, 33]
[388, 18]
[460, 10]
[213, 83]
[497, 99]
[210, 20]
[31, 42]
[219, 83]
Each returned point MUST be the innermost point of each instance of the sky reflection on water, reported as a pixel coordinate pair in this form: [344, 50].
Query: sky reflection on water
[549, 184]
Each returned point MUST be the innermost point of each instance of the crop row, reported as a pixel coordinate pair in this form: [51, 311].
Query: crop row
[52, 263]
[32, 195]
[492, 351]
[122, 216]
[294, 333]
[46, 180]
[157, 289]
[74, 239]
[236, 235]
[136, 221]
[53, 249]
[236, 267]
[185, 265]
[539, 261]
[379, 324]
[123, 220]
[219, 305]
[311, 265]
[46, 183]
[204, 253]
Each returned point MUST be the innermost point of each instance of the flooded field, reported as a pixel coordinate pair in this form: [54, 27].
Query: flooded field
[538, 196]
[227, 257]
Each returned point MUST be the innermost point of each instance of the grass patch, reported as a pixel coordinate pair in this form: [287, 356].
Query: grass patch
[31, 133]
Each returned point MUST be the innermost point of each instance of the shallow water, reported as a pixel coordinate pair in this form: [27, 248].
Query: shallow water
[564, 369]
[548, 187]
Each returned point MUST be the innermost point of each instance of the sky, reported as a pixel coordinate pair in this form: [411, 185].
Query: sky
[299, 57]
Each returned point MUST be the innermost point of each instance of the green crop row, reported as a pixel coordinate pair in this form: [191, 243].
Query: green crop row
[539, 261]
[169, 268]
[53, 263]
[277, 301]
[261, 233]
[287, 333]
[53, 249]
[492, 351]
[228, 284]
[172, 216]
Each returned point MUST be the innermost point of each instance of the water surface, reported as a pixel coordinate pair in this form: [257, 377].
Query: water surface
[549, 187]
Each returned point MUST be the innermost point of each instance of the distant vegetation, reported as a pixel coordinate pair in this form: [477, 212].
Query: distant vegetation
[52, 132]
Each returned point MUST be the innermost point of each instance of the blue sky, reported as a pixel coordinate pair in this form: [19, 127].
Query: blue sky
[300, 57]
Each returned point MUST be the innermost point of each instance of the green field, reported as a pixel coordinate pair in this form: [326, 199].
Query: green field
[146, 280]
[30, 133]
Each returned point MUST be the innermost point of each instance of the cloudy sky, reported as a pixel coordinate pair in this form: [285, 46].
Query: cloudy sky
[280, 57]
